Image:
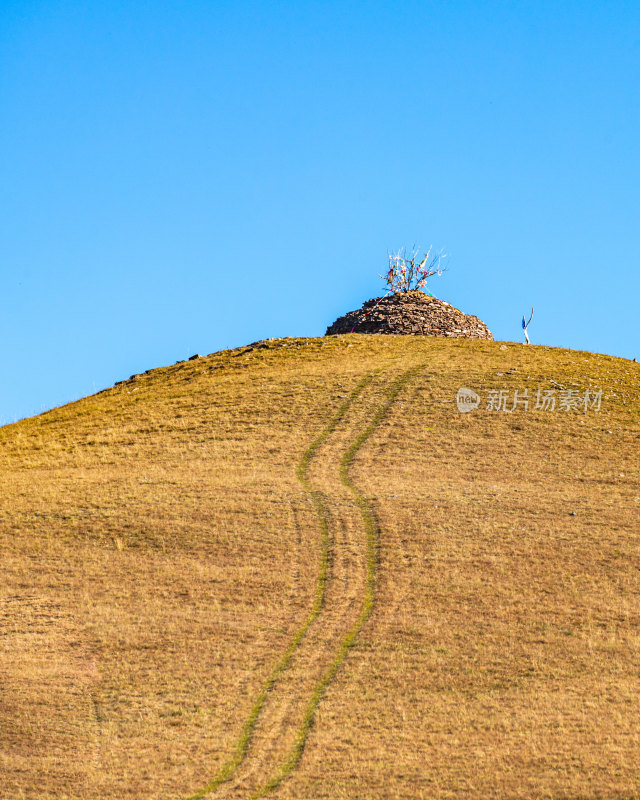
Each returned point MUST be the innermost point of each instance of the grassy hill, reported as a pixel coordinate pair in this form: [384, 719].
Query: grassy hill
[297, 570]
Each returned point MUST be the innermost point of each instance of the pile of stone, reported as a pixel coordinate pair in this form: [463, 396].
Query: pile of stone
[412, 314]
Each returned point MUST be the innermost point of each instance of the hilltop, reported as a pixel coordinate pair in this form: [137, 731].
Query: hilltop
[295, 569]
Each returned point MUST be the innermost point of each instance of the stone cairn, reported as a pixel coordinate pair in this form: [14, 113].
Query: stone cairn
[411, 313]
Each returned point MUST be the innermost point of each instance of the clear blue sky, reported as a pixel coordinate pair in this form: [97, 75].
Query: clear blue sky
[190, 176]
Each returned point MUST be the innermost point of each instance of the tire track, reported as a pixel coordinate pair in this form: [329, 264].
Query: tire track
[277, 731]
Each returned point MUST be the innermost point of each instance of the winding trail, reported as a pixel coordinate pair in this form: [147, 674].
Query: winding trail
[274, 736]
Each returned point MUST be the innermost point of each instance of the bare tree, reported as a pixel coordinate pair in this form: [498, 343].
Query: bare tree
[407, 273]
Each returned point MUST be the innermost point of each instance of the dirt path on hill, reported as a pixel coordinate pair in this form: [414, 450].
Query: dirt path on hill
[274, 737]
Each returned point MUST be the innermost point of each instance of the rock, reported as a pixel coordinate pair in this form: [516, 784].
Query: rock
[412, 314]
[193, 358]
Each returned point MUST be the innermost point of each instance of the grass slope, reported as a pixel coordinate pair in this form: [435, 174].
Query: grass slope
[298, 569]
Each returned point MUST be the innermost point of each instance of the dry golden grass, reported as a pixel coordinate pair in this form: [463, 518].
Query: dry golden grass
[160, 553]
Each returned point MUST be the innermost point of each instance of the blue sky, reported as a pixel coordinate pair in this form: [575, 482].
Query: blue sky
[178, 178]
